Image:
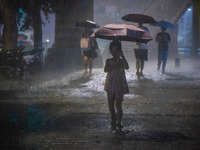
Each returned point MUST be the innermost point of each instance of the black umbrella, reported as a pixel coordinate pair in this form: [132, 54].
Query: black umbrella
[138, 18]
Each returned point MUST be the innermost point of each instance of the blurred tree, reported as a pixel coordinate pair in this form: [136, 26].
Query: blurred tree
[11, 15]
[9, 9]
[33, 19]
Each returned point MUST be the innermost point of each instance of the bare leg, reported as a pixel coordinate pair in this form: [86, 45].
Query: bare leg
[142, 67]
[119, 99]
[85, 64]
[137, 67]
[112, 109]
[119, 111]
[90, 66]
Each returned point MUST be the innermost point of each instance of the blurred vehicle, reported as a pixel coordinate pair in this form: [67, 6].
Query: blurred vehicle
[12, 64]
[33, 61]
[25, 39]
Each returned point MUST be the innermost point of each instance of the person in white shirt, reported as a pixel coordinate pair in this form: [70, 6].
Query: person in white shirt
[141, 53]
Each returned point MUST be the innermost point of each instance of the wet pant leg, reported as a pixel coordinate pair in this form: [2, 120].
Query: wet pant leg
[165, 55]
[160, 58]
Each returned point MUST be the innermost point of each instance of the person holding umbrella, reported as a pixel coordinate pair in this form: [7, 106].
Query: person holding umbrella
[141, 53]
[140, 48]
[163, 38]
[116, 84]
[88, 48]
[88, 45]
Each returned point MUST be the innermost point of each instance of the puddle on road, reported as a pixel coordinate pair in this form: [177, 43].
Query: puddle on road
[154, 136]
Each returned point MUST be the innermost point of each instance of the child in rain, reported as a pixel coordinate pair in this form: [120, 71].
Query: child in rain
[116, 84]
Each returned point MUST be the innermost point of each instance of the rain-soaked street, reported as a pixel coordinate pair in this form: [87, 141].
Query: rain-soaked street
[53, 54]
[59, 112]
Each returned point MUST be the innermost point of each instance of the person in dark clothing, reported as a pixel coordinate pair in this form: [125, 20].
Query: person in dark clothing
[163, 39]
[116, 84]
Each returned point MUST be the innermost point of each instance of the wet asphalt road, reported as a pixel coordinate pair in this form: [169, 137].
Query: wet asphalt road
[52, 115]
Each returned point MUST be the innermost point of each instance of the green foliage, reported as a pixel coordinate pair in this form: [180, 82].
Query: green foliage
[19, 16]
[27, 23]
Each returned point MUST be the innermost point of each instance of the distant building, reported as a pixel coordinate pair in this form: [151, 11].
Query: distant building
[25, 38]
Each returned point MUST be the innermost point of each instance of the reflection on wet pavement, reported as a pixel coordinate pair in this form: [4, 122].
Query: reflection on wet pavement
[70, 112]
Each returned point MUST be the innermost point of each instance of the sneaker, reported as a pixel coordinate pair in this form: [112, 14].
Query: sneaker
[119, 126]
[85, 73]
[141, 74]
[119, 130]
[137, 74]
[158, 68]
[113, 125]
[90, 74]
[163, 71]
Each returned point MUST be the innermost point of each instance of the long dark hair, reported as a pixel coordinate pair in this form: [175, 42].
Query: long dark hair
[115, 43]
[85, 35]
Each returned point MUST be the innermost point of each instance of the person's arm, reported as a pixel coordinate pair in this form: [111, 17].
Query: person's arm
[169, 39]
[166, 37]
[157, 37]
[95, 45]
[110, 66]
[124, 61]
[147, 29]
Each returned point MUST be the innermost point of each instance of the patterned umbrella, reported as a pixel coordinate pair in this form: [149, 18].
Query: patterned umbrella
[122, 32]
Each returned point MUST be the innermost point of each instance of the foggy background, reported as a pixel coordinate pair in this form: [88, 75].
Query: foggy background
[179, 12]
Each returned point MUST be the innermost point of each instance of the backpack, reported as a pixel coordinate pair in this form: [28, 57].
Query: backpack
[94, 44]
[84, 42]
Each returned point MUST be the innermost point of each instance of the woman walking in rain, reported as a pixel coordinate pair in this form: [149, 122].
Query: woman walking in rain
[88, 48]
[116, 84]
[140, 49]
[141, 53]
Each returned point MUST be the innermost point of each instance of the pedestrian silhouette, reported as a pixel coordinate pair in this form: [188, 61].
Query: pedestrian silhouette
[116, 84]
[141, 53]
[163, 38]
[88, 48]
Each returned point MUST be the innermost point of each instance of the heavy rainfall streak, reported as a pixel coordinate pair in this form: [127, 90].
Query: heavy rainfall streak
[105, 75]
